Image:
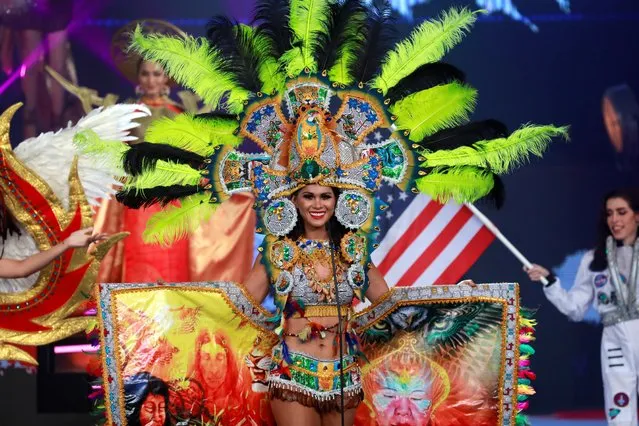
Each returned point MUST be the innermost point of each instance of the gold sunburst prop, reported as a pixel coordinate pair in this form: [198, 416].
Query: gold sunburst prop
[46, 312]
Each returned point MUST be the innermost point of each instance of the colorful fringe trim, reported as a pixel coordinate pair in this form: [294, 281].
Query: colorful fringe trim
[525, 377]
[97, 388]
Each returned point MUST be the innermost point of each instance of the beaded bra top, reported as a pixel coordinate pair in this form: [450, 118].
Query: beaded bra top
[313, 287]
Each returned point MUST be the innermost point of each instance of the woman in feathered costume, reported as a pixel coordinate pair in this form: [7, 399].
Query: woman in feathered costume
[335, 115]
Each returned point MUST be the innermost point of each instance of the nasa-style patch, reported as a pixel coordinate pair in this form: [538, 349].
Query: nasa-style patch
[613, 412]
[601, 280]
[621, 399]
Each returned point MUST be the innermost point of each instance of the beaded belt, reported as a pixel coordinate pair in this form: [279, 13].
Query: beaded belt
[324, 311]
[615, 317]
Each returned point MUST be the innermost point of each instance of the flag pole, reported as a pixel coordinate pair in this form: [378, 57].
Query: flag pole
[491, 226]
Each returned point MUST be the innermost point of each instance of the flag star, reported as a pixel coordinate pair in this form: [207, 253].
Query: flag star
[390, 198]
[378, 136]
[389, 215]
[403, 196]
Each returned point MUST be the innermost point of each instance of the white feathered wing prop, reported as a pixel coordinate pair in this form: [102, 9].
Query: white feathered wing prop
[50, 156]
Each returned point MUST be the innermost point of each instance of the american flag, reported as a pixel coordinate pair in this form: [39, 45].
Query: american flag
[423, 242]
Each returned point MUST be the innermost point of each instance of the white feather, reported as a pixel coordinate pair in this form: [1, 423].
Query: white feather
[50, 154]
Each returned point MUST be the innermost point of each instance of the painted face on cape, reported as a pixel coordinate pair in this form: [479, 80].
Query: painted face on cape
[153, 411]
[403, 399]
[316, 205]
[621, 219]
[213, 363]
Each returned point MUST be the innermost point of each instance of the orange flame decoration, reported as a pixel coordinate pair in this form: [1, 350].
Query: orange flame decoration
[44, 313]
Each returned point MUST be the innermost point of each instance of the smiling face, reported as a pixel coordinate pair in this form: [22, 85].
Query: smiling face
[316, 205]
[622, 220]
[153, 81]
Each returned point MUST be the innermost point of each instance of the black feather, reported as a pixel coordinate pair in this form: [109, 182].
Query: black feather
[465, 135]
[272, 21]
[163, 195]
[425, 77]
[235, 46]
[217, 114]
[497, 195]
[344, 15]
[381, 36]
[7, 224]
[144, 156]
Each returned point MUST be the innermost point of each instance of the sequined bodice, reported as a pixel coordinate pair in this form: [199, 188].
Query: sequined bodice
[310, 289]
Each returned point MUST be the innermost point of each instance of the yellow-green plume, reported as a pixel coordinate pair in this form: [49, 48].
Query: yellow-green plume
[309, 24]
[108, 153]
[500, 155]
[424, 113]
[199, 135]
[194, 64]
[462, 184]
[177, 222]
[269, 70]
[427, 43]
[164, 173]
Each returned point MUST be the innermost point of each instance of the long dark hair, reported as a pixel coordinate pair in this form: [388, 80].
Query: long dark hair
[599, 261]
[136, 389]
[7, 224]
[335, 229]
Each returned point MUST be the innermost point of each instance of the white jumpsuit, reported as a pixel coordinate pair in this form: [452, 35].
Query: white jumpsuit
[620, 340]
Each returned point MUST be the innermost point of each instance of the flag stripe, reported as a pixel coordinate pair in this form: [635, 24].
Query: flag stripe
[450, 253]
[435, 249]
[421, 243]
[405, 231]
[469, 255]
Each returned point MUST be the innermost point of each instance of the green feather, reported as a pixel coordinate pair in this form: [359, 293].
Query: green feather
[165, 174]
[199, 135]
[194, 64]
[108, 153]
[526, 349]
[270, 73]
[424, 113]
[177, 222]
[354, 37]
[462, 184]
[309, 22]
[500, 155]
[427, 43]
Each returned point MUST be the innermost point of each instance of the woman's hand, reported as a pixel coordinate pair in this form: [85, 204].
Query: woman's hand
[469, 283]
[537, 272]
[83, 238]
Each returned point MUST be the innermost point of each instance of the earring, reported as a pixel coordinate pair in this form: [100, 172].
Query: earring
[138, 90]
[352, 209]
[166, 91]
[280, 217]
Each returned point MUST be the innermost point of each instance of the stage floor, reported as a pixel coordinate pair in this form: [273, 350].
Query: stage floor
[553, 421]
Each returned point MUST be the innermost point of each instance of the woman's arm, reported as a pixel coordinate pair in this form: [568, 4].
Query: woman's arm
[573, 303]
[377, 286]
[257, 281]
[11, 268]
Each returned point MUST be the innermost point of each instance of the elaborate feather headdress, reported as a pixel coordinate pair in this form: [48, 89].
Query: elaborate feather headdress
[320, 87]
